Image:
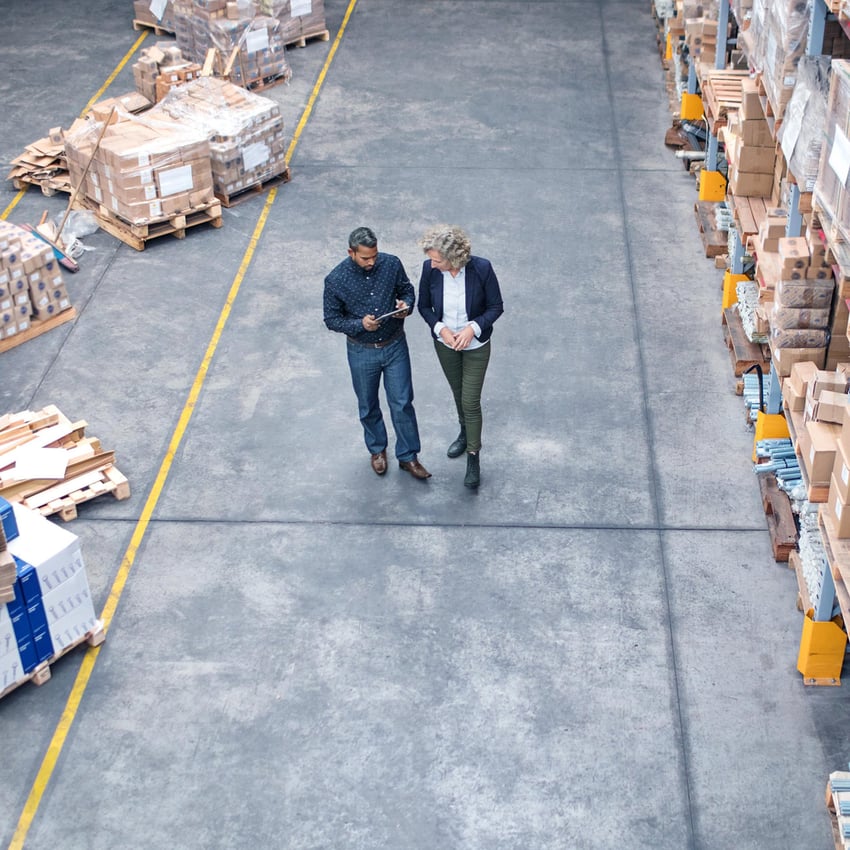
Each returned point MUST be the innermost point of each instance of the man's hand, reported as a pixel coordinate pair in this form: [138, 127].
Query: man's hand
[370, 323]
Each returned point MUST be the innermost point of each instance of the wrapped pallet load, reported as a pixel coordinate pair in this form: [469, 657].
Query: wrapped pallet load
[143, 170]
[244, 130]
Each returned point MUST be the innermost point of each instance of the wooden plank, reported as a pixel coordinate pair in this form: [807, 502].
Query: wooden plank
[780, 517]
[14, 491]
[62, 489]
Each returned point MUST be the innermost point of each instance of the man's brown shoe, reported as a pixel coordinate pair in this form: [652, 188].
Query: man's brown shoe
[379, 462]
[414, 468]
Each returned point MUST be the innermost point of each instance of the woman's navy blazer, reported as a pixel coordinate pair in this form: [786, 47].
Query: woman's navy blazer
[483, 296]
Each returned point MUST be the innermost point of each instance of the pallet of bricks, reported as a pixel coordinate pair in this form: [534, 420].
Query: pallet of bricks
[33, 296]
[142, 177]
[48, 463]
[46, 606]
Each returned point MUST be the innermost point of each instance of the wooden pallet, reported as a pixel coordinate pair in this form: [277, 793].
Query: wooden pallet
[89, 470]
[301, 41]
[714, 241]
[62, 499]
[253, 190]
[721, 93]
[158, 29]
[50, 182]
[37, 328]
[744, 353]
[780, 518]
[138, 235]
[262, 84]
[42, 673]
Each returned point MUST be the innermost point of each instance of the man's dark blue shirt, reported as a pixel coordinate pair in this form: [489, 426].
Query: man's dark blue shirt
[352, 292]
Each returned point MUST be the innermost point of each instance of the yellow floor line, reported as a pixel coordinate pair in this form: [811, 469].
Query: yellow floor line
[63, 727]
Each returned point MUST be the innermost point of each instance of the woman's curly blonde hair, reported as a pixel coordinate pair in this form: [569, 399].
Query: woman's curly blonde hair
[450, 242]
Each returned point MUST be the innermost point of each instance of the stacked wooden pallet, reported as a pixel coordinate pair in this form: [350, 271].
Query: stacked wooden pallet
[81, 468]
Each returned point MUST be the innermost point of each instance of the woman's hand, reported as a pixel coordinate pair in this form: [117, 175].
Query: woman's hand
[447, 337]
[461, 340]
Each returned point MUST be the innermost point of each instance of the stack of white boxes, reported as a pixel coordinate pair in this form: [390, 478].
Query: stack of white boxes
[53, 607]
[31, 283]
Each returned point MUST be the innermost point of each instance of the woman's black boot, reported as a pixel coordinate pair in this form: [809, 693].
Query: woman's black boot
[473, 471]
[458, 447]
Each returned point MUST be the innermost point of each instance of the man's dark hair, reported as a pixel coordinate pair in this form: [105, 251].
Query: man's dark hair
[362, 237]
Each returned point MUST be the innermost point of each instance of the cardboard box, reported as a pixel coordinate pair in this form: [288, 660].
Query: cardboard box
[802, 374]
[820, 457]
[825, 379]
[793, 400]
[838, 513]
[831, 407]
[748, 185]
[751, 107]
[841, 474]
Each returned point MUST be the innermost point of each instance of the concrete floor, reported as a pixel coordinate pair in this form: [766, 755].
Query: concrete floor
[595, 650]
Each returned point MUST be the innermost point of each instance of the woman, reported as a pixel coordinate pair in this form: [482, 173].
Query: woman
[459, 298]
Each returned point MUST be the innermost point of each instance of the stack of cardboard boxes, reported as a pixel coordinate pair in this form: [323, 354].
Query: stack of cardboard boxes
[31, 282]
[750, 149]
[801, 319]
[245, 131]
[821, 397]
[143, 170]
[249, 48]
[161, 67]
[52, 608]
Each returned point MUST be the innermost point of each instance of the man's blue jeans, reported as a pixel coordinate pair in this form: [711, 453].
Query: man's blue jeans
[393, 362]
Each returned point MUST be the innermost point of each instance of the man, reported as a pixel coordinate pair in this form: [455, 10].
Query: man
[367, 297]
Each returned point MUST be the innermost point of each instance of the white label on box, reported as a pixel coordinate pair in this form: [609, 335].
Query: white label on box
[158, 8]
[155, 209]
[175, 180]
[150, 193]
[839, 156]
[301, 7]
[257, 39]
[254, 155]
[845, 474]
[146, 176]
[6, 304]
